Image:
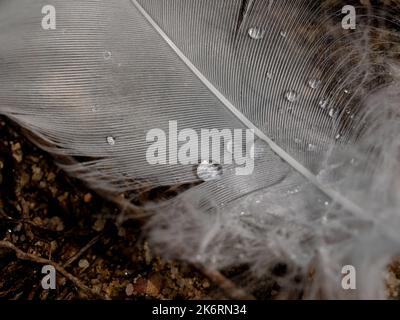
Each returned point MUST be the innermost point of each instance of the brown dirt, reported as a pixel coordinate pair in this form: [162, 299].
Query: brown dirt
[47, 214]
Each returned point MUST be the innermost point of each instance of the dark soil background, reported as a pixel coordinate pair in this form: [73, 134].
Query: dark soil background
[49, 215]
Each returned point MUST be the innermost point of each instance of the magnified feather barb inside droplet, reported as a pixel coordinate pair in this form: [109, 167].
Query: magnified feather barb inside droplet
[322, 100]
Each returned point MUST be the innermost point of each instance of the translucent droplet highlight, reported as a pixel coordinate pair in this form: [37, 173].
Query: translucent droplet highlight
[323, 103]
[209, 171]
[111, 140]
[314, 83]
[256, 33]
[291, 96]
[107, 55]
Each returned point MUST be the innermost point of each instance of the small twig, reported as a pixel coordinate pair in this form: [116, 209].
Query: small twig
[30, 257]
[230, 288]
[81, 252]
[5, 216]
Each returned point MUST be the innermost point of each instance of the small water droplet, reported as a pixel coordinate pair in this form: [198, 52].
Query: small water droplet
[94, 109]
[256, 33]
[323, 103]
[346, 91]
[111, 141]
[269, 75]
[332, 112]
[314, 83]
[291, 96]
[297, 140]
[338, 136]
[208, 171]
[283, 34]
[107, 55]
[326, 203]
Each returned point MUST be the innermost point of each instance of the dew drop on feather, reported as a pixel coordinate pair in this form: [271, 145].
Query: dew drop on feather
[209, 171]
[256, 33]
[111, 141]
[314, 83]
[107, 55]
[291, 96]
[323, 103]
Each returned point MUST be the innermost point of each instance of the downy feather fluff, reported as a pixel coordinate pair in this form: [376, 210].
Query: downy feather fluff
[324, 192]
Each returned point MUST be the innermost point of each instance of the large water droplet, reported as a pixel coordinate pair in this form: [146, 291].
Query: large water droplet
[111, 141]
[291, 96]
[256, 33]
[314, 83]
[209, 171]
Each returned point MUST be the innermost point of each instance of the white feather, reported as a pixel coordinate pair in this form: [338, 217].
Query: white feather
[113, 70]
